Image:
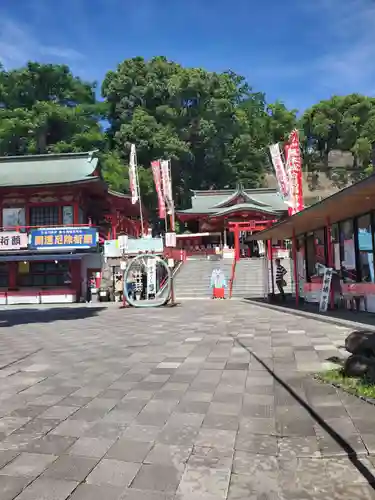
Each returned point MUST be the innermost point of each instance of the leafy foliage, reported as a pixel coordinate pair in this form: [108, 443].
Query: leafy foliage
[344, 123]
[45, 109]
[213, 126]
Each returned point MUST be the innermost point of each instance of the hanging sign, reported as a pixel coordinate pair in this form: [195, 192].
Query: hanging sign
[326, 289]
[12, 240]
[64, 237]
[151, 277]
[156, 172]
[170, 240]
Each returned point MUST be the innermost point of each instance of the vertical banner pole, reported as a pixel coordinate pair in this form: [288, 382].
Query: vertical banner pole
[269, 246]
[295, 268]
[330, 260]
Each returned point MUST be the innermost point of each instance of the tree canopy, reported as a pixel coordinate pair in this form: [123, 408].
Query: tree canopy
[213, 126]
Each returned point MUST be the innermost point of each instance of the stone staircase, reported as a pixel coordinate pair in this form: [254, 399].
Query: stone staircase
[194, 277]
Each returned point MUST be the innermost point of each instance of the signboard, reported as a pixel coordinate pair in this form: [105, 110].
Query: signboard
[112, 248]
[143, 245]
[151, 276]
[12, 240]
[64, 238]
[326, 288]
[123, 242]
[170, 240]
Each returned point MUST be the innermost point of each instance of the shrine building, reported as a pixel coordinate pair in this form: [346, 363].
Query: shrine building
[225, 218]
[56, 212]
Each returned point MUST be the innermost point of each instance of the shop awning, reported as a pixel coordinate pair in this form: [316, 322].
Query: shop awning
[349, 202]
[42, 256]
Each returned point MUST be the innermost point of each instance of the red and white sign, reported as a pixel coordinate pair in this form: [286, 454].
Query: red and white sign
[12, 240]
[294, 171]
[156, 172]
[166, 183]
[281, 175]
[133, 178]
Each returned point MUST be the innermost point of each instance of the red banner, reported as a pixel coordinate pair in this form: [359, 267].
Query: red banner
[156, 172]
[294, 170]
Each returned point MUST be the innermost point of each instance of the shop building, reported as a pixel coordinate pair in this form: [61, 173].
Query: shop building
[226, 218]
[56, 212]
[338, 233]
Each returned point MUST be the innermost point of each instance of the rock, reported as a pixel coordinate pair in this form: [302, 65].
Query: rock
[359, 366]
[361, 342]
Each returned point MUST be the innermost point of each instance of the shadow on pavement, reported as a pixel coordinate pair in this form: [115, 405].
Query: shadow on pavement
[27, 316]
[349, 450]
[289, 306]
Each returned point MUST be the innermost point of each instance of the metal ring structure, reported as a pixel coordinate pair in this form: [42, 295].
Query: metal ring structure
[154, 302]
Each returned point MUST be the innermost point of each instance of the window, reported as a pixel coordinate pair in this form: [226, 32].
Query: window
[315, 253]
[310, 255]
[365, 249]
[3, 275]
[45, 274]
[320, 247]
[44, 216]
[347, 251]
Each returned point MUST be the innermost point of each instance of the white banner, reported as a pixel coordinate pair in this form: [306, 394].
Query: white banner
[166, 183]
[170, 240]
[326, 289]
[281, 175]
[151, 277]
[133, 179]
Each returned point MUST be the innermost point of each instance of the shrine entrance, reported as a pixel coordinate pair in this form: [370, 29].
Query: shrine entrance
[251, 227]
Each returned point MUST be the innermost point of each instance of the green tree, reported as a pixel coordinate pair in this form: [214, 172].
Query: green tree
[44, 108]
[343, 123]
[211, 125]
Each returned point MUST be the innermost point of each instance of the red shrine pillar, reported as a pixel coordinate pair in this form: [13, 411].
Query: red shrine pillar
[237, 250]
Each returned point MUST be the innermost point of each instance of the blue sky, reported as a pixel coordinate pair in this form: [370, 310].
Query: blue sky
[298, 51]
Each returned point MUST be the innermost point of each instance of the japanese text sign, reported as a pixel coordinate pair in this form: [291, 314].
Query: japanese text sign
[12, 240]
[65, 237]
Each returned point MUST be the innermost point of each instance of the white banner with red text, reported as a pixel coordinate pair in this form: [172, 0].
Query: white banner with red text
[281, 175]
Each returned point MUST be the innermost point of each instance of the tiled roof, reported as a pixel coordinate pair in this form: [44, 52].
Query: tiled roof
[51, 169]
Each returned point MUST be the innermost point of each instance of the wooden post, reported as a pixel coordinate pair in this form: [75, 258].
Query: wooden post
[295, 267]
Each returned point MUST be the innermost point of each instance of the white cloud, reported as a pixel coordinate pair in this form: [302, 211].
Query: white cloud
[19, 45]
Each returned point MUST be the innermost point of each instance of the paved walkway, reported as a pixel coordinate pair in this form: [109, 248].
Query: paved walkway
[208, 401]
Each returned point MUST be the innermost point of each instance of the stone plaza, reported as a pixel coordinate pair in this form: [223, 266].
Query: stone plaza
[211, 400]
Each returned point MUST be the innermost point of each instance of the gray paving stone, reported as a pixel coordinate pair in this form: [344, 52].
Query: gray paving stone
[157, 477]
[6, 457]
[129, 450]
[205, 483]
[48, 489]
[173, 455]
[133, 494]
[10, 487]
[70, 468]
[28, 464]
[253, 488]
[94, 492]
[183, 391]
[91, 447]
[113, 473]
[50, 444]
